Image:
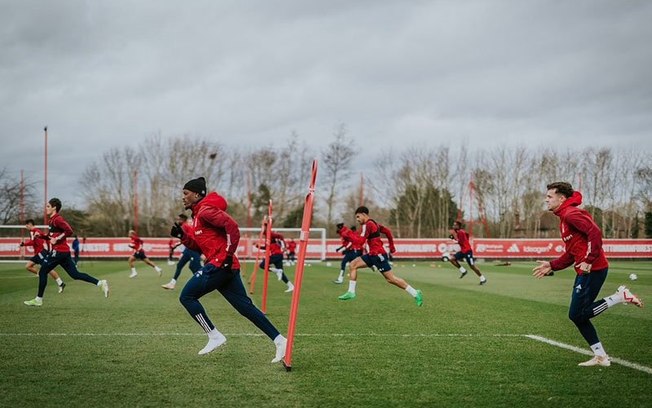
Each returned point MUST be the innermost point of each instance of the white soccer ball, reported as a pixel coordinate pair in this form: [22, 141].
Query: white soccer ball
[633, 276]
[445, 257]
[328, 264]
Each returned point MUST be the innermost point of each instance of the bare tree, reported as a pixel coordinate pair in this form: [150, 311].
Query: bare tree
[337, 160]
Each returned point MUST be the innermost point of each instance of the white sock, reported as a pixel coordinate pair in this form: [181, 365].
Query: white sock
[598, 350]
[462, 270]
[614, 299]
[290, 285]
[341, 275]
[39, 299]
[411, 291]
[482, 278]
[157, 269]
[214, 334]
[278, 340]
[173, 281]
[352, 286]
[59, 281]
[133, 270]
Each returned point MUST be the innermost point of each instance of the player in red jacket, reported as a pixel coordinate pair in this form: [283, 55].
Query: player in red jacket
[38, 241]
[139, 253]
[60, 254]
[465, 252]
[276, 247]
[350, 251]
[583, 240]
[216, 235]
[291, 250]
[377, 257]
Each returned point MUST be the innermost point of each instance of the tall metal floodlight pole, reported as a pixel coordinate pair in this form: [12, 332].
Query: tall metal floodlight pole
[45, 183]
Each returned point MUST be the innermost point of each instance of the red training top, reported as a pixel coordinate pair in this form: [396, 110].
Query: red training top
[59, 231]
[463, 240]
[38, 240]
[581, 235]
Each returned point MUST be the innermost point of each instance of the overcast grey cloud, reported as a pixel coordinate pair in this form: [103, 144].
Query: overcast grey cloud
[105, 74]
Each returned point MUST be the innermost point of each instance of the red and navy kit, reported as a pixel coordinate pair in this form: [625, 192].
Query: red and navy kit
[215, 234]
[292, 247]
[581, 235]
[370, 233]
[276, 246]
[465, 252]
[38, 240]
[137, 245]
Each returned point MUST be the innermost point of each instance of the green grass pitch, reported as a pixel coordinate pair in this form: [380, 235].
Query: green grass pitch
[464, 347]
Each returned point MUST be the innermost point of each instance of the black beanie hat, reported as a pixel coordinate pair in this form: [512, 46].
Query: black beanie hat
[197, 185]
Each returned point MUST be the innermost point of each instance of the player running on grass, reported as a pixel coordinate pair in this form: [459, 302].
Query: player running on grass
[465, 252]
[217, 235]
[583, 240]
[60, 255]
[276, 247]
[38, 240]
[188, 255]
[139, 253]
[370, 232]
[350, 251]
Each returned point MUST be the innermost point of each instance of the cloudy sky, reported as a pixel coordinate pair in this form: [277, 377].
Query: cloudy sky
[105, 74]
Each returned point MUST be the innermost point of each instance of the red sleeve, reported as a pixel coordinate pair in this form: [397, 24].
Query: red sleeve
[354, 237]
[582, 222]
[390, 238]
[188, 241]
[218, 218]
[562, 262]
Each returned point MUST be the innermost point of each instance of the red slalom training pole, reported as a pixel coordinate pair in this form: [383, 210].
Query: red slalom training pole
[268, 242]
[252, 283]
[298, 275]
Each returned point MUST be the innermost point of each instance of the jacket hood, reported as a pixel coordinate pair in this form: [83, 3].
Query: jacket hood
[572, 201]
[213, 200]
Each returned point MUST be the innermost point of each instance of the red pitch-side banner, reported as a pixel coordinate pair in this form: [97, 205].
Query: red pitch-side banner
[406, 248]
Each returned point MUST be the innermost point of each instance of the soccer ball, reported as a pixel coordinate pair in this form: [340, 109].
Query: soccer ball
[445, 257]
[633, 276]
[328, 264]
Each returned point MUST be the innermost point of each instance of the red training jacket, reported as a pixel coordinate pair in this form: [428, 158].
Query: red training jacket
[59, 231]
[463, 240]
[216, 234]
[581, 235]
[38, 240]
[136, 243]
[370, 233]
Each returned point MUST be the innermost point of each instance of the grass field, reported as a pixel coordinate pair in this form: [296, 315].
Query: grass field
[465, 346]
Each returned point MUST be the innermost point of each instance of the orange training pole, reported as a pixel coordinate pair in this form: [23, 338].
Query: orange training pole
[298, 275]
[268, 242]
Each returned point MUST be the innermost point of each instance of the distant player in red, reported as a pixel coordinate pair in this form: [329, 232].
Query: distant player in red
[465, 252]
[350, 251]
[59, 255]
[139, 253]
[377, 257]
[584, 251]
[276, 248]
[172, 245]
[38, 240]
[291, 251]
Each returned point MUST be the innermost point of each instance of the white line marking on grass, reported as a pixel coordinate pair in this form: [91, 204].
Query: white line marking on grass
[588, 353]
[413, 335]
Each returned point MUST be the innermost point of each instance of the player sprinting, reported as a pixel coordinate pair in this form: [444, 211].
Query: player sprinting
[377, 257]
[60, 254]
[584, 251]
[291, 251]
[38, 241]
[276, 246]
[350, 251]
[465, 252]
[139, 253]
[216, 235]
[188, 255]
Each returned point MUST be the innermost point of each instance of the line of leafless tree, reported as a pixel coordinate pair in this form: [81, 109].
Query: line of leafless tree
[417, 190]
